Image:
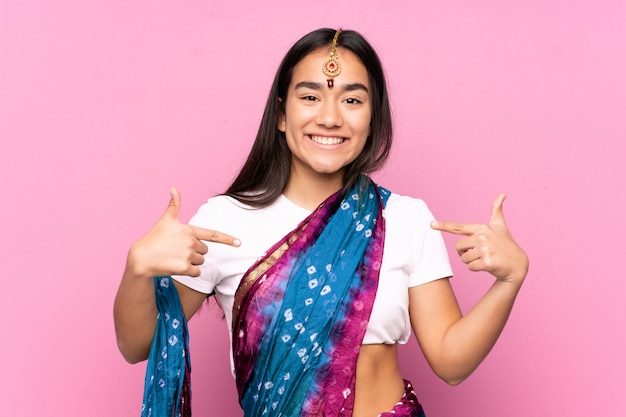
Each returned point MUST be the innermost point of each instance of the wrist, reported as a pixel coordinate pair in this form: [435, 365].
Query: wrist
[135, 269]
[518, 272]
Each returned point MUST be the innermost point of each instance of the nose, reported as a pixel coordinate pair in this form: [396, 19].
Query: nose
[329, 114]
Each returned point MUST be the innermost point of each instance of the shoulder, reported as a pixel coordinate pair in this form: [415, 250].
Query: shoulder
[405, 207]
[221, 202]
[224, 203]
[412, 243]
[219, 209]
[227, 213]
[408, 219]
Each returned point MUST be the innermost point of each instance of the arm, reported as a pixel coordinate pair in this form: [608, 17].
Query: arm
[169, 248]
[453, 344]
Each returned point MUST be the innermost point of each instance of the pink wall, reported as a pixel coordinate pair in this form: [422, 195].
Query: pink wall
[105, 105]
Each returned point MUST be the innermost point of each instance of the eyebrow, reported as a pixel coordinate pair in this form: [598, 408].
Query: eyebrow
[318, 86]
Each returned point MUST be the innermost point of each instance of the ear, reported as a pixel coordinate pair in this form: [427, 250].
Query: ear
[281, 116]
[281, 122]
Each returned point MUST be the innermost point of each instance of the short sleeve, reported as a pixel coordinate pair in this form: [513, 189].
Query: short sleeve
[431, 260]
[412, 244]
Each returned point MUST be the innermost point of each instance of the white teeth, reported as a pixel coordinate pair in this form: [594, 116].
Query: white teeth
[323, 140]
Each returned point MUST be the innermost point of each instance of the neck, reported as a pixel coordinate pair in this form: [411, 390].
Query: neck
[310, 191]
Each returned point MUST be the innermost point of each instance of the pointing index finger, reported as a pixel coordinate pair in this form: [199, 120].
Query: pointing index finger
[455, 228]
[215, 236]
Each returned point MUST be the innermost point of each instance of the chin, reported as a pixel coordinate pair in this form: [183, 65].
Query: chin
[328, 170]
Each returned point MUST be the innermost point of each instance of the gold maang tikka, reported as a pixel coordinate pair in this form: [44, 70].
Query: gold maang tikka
[331, 67]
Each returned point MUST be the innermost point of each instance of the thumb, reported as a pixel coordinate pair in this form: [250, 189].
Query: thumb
[173, 209]
[497, 213]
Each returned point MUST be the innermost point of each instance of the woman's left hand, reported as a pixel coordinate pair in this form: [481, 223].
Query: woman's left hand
[489, 247]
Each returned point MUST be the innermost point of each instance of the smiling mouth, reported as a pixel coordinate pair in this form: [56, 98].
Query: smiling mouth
[325, 140]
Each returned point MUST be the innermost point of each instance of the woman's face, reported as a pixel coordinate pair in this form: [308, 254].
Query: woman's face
[326, 128]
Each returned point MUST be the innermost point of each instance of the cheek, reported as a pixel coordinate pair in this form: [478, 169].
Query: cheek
[293, 119]
[364, 124]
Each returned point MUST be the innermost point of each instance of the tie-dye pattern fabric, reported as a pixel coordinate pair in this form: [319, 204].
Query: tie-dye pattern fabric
[301, 312]
[408, 406]
[167, 388]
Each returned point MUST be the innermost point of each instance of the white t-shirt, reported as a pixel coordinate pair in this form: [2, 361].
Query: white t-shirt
[414, 254]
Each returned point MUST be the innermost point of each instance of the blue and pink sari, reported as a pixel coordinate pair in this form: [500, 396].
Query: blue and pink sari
[300, 315]
[301, 312]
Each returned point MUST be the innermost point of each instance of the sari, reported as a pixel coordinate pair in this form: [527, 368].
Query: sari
[301, 311]
[167, 386]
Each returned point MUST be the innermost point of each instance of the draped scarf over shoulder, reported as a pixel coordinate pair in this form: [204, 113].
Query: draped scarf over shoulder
[167, 386]
[301, 312]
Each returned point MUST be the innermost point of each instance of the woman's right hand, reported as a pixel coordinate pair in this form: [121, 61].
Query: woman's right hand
[171, 247]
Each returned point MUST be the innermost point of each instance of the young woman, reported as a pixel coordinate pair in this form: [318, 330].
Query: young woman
[320, 272]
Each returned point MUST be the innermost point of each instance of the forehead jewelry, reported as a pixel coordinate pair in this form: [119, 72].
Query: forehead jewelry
[331, 67]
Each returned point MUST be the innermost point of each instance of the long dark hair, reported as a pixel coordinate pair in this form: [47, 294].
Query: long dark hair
[265, 173]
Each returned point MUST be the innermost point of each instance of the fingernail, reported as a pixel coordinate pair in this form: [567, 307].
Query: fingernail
[434, 224]
[237, 242]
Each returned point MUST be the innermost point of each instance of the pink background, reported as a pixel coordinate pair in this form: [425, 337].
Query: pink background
[104, 105]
